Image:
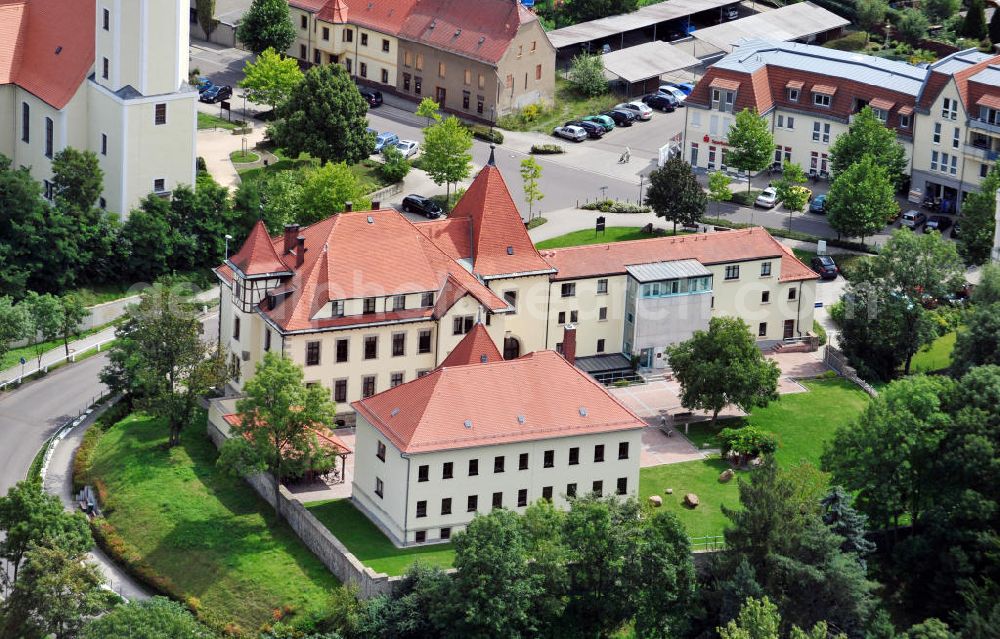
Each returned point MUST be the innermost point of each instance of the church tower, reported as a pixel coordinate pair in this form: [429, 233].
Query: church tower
[142, 44]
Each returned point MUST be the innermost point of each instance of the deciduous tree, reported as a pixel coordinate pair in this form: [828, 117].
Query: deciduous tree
[271, 78]
[861, 199]
[266, 25]
[911, 26]
[77, 179]
[446, 153]
[674, 193]
[751, 145]
[978, 341]
[156, 618]
[723, 366]
[72, 314]
[327, 190]
[718, 187]
[867, 135]
[789, 190]
[206, 17]
[428, 109]
[13, 323]
[586, 74]
[394, 167]
[938, 11]
[975, 244]
[870, 14]
[531, 171]
[45, 321]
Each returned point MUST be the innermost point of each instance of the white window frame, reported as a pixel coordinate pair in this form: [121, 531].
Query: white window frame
[793, 95]
[936, 137]
[822, 100]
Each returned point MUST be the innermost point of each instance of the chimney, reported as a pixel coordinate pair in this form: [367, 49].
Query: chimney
[569, 343]
[300, 251]
[291, 232]
[348, 207]
[375, 205]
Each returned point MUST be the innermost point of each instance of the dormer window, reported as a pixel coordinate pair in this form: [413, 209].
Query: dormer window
[792, 90]
[820, 99]
[793, 95]
[427, 299]
[723, 94]
[369, 306]
[881, 115]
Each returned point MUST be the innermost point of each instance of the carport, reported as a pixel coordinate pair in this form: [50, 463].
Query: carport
[643, 64]
[803, 21]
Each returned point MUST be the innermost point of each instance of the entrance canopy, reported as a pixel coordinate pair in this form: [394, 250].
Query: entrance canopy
[791, 22]
[645, 61]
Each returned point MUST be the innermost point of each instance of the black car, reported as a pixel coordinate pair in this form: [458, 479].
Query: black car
[825, 266]
[661, 101]
[423, 205]
[621, 117]
[938, 223]
[371, 96]
[216, 94]
[593, 129]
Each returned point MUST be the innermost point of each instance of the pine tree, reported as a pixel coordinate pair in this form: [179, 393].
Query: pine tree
[847, 522]
[974, 25]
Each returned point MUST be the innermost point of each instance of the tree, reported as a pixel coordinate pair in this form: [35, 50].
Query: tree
[718, 187]
[666, 580]
[586, 74]
[428, 109]
[327, 190]
[531, 171]
[55, 595]
[746, 443]
[73, 312]
[758, 619]
[911, 26]
[395, 167]
[850, 524]
[30, 518]
[974, 24]
[149, 239]
[788, 189]
[324, 116]
[867, 135]
[161, 360]
[279, 418]
[674, 193]
[206, 17]
[45, 317]
[861, 198]
[13, 323]
[156, 618]
[420, 607]
[938, 11]
[723, 366]
[446, 153]
[584, 10]
[751, 145]
[266, 25]
[975, 244]
[988, 290]
[77, 179]
[994, 28]
[870, 14]
[271, 78]
[978, 342]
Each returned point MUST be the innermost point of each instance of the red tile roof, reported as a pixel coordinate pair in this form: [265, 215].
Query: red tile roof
[31, 33]
[478, 29]
[990, 101]
[937, 80]
[708, 248]
[326, 438]
[334, 11]
[538, 396]
[724, 83]
[386, 16]
[308, 5]
[475, 346]
[499, 242]
[258, 255]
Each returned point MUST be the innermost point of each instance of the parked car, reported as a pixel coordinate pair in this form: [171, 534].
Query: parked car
[728, 13]
[203, 84]
[371, 96]
[938, 223]
[216, 93]
[593, 129]
[408, 148]
[818, 204]
[641, 109]
[768, 198]
[383, 140]
[684, 87]
[825, 266]
[661, 101]
[679, 95]
[422, 205]
[622, 117]
[955, 230]
[603, 120]
[913, 219]
[575, 133]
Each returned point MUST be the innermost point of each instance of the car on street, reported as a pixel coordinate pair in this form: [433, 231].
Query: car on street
[641, 109]
[216, 93]
[679, 95]
[661, 101]
[371, 96]
[203, 84]
[622, 117]
[684, 87]
[913, 219]
[575, 133]
[603, 120]
[767, 199]
[408, 148]
[939, 223]
[386, 139]
[825, 266]
[422, 205]
[593, 129]
[818, 204]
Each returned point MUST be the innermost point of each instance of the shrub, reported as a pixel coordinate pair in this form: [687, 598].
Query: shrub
[743, 198]
[820, 332]
[744, 444]
[395, 167]
[546, 149]
[851, 42]
[538, 221]
[621, 383]
[84, 455]
[200, 164]
[615, 206]
[484, 133]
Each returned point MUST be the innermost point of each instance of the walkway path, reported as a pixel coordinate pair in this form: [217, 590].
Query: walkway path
[58, 355]
[215, 145]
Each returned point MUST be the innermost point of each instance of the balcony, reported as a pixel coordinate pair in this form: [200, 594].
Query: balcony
[980, 125]
[981, 153]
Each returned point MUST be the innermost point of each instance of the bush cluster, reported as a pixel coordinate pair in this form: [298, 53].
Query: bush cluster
[615, 206]
[546, 149]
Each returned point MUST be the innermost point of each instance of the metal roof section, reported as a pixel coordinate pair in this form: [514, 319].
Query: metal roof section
[959, 60]
[792, 22]
[648, 60]
[644, 17]
[672, 270]
[751, 55]
[989, 75]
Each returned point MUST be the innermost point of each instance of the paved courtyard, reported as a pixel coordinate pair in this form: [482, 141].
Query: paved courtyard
[328, 488]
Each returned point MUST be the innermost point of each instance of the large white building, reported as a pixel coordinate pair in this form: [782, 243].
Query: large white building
[110, 77]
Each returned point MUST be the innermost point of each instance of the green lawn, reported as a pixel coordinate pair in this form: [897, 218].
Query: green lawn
[243, 158]
[568, 105]
[366, 170]
[803, 422]
[209, 121]
[206, 531]
[13, 356]
[846, 261]
[936, 357]
[590, 236]
[368, 543]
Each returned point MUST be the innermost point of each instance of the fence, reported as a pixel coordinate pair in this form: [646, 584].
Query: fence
[384, 193]
[45, 368]
[712, 543]
[838, 362]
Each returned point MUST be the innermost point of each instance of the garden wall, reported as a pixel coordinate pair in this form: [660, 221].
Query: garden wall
[334, 555]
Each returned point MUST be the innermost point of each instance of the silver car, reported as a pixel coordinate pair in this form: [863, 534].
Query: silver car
[641, 109]
[575, 133]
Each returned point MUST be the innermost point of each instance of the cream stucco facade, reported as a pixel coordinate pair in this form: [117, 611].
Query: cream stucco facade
[366, 53]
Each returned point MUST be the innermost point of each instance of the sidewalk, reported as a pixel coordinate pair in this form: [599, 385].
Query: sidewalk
[215, 145]
[58, 355]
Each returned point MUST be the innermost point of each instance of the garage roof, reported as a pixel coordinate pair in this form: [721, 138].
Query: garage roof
[791, 22]
[649, 60]
[644, 17]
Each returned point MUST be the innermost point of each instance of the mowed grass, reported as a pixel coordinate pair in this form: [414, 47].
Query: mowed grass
[206, 531]
[368, 543]
[209, 121]
[803, 422]
[847, 262]
[936, 356]
[591, 236]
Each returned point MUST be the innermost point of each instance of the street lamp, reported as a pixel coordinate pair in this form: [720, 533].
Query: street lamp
[228, 237]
